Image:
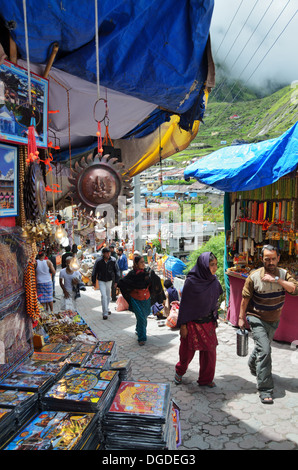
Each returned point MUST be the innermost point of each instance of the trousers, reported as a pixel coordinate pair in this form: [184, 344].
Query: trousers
[207, 361]
[260, 362]
[141, 309]
[105, 291]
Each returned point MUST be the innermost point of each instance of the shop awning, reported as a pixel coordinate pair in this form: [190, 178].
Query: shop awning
[155, 68]
[248, 166]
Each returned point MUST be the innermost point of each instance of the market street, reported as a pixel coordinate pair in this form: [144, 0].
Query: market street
[227, 417]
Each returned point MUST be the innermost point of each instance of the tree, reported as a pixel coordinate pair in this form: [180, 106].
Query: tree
[216, 244]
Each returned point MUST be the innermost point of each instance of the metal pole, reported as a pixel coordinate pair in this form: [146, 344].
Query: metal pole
[137, 214]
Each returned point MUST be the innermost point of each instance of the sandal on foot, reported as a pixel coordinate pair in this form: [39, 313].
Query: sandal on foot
[211, 385]
[266, 400]
[178, 379]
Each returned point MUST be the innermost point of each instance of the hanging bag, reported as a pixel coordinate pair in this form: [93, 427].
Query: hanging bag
[121, 304]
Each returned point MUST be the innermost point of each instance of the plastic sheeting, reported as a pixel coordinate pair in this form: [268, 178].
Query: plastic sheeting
[155, 68]
[174, 265]
[249, 166]
[154, 51]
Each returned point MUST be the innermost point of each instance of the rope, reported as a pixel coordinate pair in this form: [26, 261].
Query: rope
[97, 49]
[27, 50]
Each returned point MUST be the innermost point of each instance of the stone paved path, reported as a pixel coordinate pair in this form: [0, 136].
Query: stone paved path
[227, 417]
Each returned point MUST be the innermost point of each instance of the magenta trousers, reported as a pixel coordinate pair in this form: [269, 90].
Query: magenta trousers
[207, 362]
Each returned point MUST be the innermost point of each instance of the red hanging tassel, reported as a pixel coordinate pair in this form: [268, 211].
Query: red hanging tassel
[99, 139]
[32, 148]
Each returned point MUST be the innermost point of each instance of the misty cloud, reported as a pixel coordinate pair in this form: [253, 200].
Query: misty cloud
[255, 49]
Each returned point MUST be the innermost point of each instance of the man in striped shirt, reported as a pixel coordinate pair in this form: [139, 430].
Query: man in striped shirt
[263, 297]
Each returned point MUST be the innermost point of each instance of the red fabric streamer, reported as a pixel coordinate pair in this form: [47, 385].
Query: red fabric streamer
[32, 149]
[99, 139]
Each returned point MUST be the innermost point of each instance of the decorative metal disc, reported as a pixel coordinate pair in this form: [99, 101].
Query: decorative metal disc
[35, 198]
[97, 181]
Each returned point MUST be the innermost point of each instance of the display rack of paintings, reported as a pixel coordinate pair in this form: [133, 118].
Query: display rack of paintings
[13, 259]
[16, 111]
[8, 180]
[7, 424]
[30, 382]
[15, 325]
[124, 368]
[16, 342]
[98, 361]
[41, 367]
[23, 403]
[140, 417]
[82, 389]
[105, 347]
[52, 430]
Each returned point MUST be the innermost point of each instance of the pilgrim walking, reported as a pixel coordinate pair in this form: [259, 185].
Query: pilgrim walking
[197, 319]
[141, 288]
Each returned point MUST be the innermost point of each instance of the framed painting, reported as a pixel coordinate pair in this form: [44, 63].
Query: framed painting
[8, 180]
[15, 110]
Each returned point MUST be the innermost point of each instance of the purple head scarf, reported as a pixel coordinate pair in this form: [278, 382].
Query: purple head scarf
[200, 293]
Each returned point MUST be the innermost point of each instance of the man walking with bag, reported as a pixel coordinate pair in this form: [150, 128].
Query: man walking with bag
[105, 270]
[263, 297]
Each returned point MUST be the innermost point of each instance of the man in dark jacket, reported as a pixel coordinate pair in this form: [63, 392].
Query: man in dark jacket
[105, 270]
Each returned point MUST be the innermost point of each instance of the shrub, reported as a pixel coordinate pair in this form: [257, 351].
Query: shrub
[216, 244]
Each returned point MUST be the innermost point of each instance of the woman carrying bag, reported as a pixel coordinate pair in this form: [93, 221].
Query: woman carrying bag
[141, 288]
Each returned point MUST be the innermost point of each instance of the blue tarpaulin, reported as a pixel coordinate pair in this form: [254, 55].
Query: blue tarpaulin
[155, 66]
[174, 265]
[152, 50]
[248, 166]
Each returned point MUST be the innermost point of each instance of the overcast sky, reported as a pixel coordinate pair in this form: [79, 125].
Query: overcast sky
[251, 42]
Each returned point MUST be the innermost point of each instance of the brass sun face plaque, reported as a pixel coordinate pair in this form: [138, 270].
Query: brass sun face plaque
[98, 181]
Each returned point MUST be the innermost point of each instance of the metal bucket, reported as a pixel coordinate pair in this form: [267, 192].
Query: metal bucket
[242, 343]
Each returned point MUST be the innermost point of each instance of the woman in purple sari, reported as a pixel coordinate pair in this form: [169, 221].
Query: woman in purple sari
[198, 313]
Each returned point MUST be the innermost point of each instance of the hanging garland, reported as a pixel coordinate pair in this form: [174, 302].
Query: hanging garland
[32, 305]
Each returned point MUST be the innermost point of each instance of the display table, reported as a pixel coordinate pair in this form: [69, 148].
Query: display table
[288, 325]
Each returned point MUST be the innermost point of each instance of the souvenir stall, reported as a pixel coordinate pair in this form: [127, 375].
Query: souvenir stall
[267, 215]
[261, 207]
[55, 373]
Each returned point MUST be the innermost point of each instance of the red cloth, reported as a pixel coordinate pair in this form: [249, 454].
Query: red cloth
[200, 337]
[7, 222]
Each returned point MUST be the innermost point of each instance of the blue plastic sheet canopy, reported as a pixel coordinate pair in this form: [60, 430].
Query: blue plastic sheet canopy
[248, 166]
[154, 52]
[174, 265]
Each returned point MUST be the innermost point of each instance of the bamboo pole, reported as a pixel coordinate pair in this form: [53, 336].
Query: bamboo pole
[51, 59]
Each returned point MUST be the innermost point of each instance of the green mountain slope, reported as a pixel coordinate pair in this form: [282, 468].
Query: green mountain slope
[250, 120]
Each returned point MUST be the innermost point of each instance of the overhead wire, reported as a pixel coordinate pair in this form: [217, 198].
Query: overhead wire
[244, 24]
[258, 65]
[243, 48]
[232, 21]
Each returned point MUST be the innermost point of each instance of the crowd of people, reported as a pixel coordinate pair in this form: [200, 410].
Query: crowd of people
[197, 305]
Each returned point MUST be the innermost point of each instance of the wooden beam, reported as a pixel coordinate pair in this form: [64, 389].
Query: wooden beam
[13, 53]
[51, 59]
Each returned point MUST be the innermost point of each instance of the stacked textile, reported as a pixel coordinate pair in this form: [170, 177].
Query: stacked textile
[140, 417]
